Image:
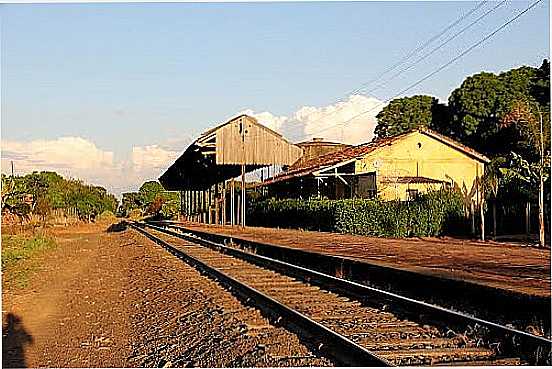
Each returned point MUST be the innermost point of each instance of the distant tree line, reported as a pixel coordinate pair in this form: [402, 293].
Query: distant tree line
[41, 192]
[150, 200]
[499, 115]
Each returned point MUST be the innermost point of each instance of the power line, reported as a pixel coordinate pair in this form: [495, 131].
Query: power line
[440, 45]
[403, 59]
[419, 48]
[459, 56]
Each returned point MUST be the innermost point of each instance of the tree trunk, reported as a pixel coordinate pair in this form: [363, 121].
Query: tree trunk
[482, 212]
[541, 211]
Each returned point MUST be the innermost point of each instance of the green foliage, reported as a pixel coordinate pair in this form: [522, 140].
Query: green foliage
[406, 113]
[433, 214]
[19, 254]
[151, 199]
[148, 192]
[106, 216]
[479, 104]
[135, 214]
[51, 191]
[43, 207]
[170, 209]
[131, 200]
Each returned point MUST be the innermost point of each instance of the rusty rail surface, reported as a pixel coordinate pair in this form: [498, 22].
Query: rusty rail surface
[391, 329]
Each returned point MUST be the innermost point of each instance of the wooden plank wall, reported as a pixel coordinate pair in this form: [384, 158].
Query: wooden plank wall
[261, 145]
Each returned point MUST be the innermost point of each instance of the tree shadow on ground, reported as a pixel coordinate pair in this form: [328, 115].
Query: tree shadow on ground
[15, 338]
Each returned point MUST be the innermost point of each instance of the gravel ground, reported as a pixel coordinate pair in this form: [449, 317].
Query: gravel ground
[117, 300]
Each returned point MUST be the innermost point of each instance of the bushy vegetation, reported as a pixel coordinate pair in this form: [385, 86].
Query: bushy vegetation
[150, 200]
[433, 214]
[107, 216]
[18, 252]
[499, 115]
[40, 193]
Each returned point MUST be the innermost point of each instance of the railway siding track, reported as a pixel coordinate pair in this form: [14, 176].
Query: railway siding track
[363, 326]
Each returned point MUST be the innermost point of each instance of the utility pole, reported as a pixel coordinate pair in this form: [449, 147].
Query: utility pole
[541, 183]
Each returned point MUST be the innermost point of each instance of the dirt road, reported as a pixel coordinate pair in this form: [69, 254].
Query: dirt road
[117, 300]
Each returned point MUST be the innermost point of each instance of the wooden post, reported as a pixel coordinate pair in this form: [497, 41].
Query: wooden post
[205, 205]
[238, 208]
[243, 196]
[217, 203]
[209, 217]
[193, 204]
[188, 204]
[224, 203]
[232, 203]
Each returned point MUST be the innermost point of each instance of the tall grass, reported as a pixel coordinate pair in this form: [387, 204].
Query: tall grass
[19, 253]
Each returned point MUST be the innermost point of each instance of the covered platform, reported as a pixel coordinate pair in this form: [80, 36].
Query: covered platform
[206, 173]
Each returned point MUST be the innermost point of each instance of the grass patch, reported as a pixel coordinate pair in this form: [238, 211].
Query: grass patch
[19, 257]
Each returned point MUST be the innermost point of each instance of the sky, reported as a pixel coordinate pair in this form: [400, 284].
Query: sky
[113, 93]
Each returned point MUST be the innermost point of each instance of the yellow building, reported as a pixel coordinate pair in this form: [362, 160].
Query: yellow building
[421, 160]
[395, 168]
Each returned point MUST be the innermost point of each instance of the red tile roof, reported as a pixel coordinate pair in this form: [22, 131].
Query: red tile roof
[305, 168]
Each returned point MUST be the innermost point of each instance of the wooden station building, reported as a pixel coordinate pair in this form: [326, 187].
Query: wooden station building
[394, 168]
[205, 173]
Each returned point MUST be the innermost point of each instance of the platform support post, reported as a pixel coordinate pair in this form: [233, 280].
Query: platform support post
[243, 196]
[232, 203]
[224, 203]
[217, 203]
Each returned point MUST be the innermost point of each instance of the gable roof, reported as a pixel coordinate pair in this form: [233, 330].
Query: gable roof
[299, 169]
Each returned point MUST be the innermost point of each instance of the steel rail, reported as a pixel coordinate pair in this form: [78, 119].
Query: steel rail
[332, 343]
[531, 348]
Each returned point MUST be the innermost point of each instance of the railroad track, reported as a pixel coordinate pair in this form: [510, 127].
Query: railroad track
[352, 323]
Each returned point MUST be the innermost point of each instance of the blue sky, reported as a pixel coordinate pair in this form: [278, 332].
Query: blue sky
[124, 76]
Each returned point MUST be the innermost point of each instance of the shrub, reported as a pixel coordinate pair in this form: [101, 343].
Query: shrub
[433, 214]
[135, 214]
[107, 216]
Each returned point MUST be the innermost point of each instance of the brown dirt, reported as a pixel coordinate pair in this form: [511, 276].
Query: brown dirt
[117, 300]
[501, 265]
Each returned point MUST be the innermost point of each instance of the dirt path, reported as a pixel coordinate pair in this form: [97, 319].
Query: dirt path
[117, 300]
[66, 312]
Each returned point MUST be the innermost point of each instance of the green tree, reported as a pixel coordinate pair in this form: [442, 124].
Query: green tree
[148, 192]
[406, 113]
[43, 208]
[130, 201]
[478, 106]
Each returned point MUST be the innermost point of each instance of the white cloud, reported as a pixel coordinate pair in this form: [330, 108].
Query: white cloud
[65, 152]
[152, 157]
[77, 157]
[357, 111]
[267, 119]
